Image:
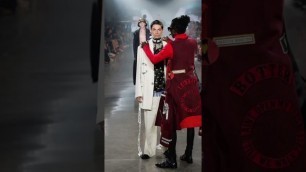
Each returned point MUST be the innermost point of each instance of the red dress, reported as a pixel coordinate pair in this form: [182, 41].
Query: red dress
[183, 97]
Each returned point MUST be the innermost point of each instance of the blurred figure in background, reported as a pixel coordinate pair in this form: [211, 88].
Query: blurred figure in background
[140, 35]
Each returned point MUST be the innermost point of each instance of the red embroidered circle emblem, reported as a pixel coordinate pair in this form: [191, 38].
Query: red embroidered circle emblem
[273, 134]
[189, 106]
[190, 100]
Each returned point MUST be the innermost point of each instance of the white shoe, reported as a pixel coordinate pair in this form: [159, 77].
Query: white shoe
[160, 147]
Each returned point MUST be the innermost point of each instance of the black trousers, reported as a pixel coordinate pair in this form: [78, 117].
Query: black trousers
[189, 147]
[134, 71]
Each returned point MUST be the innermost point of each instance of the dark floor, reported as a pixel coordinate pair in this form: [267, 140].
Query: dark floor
[47, 98]
[48, 101]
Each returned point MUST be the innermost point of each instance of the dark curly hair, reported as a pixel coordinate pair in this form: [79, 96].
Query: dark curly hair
[179, 24]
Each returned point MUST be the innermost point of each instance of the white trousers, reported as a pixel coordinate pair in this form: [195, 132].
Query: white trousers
[150, 128]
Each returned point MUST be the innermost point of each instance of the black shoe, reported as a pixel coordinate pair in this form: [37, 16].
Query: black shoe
[186, 158]
[167, 164]
[144, 156]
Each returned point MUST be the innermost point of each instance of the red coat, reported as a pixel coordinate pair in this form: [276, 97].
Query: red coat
[252, 121]
[182, 96]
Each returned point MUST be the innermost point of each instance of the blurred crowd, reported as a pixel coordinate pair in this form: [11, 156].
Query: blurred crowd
[117, 37]
[194, 30]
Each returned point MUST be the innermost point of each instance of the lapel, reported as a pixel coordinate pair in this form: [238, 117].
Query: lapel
[137, 35]
[151, 45]
[148, 34]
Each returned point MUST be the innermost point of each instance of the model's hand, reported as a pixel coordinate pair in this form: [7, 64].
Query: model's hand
[139, 99]
[166, 38]
[143, 44]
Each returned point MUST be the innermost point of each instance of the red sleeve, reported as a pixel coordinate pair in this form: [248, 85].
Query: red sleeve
[169, 41]
[166, 52]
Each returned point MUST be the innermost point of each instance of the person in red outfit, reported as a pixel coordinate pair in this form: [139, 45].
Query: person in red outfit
[183, 102]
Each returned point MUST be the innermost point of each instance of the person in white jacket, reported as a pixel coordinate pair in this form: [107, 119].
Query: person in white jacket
[150, 84]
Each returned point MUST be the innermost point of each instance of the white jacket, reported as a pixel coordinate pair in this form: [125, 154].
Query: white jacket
[144, 85]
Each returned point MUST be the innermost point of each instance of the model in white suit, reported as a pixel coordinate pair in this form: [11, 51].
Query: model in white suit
[150, 83]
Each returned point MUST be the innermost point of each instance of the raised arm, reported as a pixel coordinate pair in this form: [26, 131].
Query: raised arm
[166, 52]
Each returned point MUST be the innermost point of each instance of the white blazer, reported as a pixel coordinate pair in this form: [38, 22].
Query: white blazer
[144, 85]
